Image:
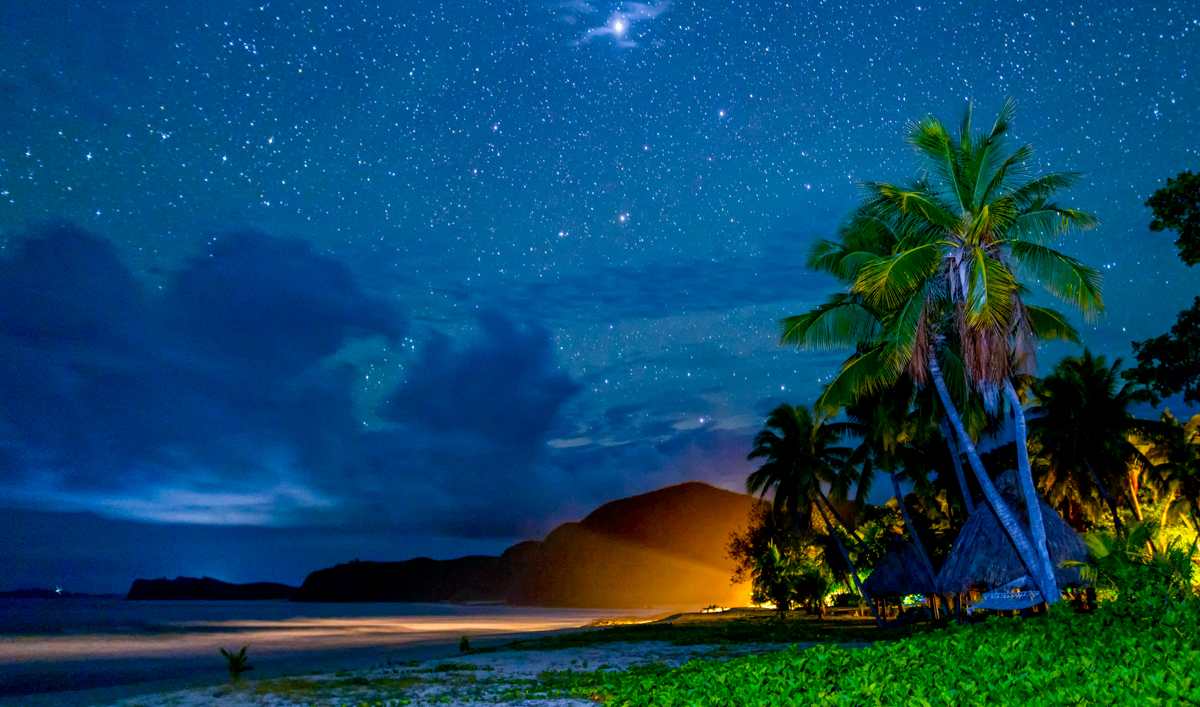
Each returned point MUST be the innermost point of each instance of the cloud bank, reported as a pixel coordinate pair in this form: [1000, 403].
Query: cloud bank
[233, 395]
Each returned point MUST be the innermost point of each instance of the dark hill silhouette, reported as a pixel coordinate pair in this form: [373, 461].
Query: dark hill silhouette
[659, 548]
[207, 588]
[474, 578]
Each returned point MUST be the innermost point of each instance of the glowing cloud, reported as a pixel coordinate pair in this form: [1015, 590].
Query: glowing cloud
[620, 23]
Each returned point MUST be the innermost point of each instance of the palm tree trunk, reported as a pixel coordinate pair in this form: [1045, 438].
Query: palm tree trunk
[958, 470]
[842, 522]
[1112, 502]
[1133, 497]
[1004, 514]
[912, 529]
[1166, 507]
[1037, 524]
[846, 557]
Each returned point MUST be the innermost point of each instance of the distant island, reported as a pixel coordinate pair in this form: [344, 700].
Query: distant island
[40, 593]
[182, 588]
[666, 547]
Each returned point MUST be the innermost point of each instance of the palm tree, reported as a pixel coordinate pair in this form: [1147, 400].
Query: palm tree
[801, 454]
[892, 436]
[1174, 451]
[1082, 420]
[931, 269]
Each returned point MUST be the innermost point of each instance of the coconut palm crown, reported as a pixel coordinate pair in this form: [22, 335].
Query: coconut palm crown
[933, 264]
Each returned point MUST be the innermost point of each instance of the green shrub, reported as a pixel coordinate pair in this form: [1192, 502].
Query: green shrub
[237, 663]
[1109, 657]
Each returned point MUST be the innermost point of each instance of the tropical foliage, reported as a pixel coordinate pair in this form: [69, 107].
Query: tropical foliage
[931, 272]
[802, 455]
[1145, 563]
[1082, 421]
[1177, 208]
[1168, 364]
[1107, 658]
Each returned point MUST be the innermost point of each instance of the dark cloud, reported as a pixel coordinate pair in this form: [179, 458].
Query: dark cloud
[505, 388]
[211, 401]
[85, 552]
[222, 399]
[464, 449]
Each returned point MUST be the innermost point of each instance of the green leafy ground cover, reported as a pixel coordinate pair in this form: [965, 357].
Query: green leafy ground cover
[1147, 655]
[766, 629]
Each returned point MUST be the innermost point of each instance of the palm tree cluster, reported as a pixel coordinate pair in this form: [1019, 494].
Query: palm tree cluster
[934, 306]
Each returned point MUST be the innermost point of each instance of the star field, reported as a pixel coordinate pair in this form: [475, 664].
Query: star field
[634, 183]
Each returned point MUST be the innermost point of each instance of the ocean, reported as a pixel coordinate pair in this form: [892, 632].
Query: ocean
[82, 650]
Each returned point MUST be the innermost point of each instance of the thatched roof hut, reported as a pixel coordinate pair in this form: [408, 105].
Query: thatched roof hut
[900, 572]
[984, 557]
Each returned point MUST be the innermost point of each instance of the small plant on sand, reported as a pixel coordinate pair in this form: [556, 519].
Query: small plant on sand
[464, 644]
[237, 663]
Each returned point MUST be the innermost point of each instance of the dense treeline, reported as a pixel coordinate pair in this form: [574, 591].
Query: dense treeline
[934, 306]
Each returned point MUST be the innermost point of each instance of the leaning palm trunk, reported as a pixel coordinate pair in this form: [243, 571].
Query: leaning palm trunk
[1008, 521]
[842, 522]
[958, 470]
[912, 529]
[1037, 525]
[1133, 496]
[846, 556]
[1112, 502]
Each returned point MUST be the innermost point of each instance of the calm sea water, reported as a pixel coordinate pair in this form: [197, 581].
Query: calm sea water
[53, 645]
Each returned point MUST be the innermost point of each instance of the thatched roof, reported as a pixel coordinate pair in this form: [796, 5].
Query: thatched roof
[899, 572]
[984, 557]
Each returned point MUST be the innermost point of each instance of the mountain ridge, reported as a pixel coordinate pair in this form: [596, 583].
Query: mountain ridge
[663, 547]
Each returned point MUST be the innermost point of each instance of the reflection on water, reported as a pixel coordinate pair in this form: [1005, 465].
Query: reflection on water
[97, 629]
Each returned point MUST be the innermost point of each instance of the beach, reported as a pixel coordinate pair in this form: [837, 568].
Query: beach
[56, 653]
[489, 677]
[498, 668]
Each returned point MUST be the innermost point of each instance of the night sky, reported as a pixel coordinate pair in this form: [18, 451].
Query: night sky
[286, 284]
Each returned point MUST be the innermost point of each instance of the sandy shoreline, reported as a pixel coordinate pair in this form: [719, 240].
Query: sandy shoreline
[131, 677]
[128, 650]
[413, 673]
[495, 675]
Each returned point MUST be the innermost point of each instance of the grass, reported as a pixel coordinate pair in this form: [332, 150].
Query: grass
[1065, 659]
[836, 628]
[867, 663]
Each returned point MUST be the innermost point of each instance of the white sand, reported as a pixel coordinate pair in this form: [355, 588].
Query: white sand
[505, 671]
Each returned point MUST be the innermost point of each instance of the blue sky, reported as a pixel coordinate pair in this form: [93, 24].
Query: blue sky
[383, 280]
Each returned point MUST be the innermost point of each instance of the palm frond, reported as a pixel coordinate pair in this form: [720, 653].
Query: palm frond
[1044, 186]
[861, 374]
[991, 220]
[902, 330]
[1013, 168]
[841, 322]
[918, 200]
[1005, 116]
[964, 127]
[990, 291]
[1045, 223]
[1049, 325]
[1061, 275]
[984, 163]
[842, 259]
[940, 157]
[888, 282]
